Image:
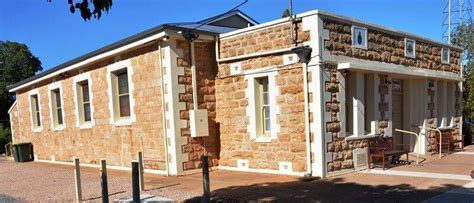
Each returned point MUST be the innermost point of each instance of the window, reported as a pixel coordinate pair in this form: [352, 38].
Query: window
[35, 111]
[445, 55]
[410, 48]
[56, 108]
[261, 93]
[262, 106]
[359, 37]
[121, 101]
[121, 94]
[84, 102]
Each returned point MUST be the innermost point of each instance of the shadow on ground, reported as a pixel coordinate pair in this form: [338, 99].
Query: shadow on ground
[333, 190]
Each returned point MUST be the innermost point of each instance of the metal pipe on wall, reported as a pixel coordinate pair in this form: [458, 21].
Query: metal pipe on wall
[306, 117]
[163, 108]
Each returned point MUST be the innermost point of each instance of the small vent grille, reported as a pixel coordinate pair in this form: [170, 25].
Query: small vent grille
[242, 164]
[360, 159]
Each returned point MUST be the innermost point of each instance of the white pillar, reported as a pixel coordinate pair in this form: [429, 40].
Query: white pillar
[358, 104]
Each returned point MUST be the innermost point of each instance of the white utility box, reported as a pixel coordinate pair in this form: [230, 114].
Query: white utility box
[198, 122]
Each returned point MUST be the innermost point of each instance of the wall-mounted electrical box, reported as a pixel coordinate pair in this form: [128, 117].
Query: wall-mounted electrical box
[198, 122]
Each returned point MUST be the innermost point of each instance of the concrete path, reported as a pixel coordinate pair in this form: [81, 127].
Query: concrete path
[456, 166]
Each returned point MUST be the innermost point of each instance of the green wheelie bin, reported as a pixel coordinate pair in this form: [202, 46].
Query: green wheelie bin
[23, 152]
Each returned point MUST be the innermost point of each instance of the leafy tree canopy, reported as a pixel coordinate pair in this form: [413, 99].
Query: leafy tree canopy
[16, 63]
[286, 13]
[464, 37]
[89, 8]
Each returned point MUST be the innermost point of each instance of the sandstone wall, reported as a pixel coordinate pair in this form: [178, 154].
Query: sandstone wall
[232, 101]
[118, 145]
[338, 148]
[389, 48]
[206, 69]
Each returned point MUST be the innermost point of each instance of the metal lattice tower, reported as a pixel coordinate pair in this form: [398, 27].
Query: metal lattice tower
[455, 12]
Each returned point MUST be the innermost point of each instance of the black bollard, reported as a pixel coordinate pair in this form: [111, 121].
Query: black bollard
[135, 182]
[205, 178]
[103, 181]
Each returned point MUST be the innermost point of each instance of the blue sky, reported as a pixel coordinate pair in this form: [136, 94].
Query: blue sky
[56, 36]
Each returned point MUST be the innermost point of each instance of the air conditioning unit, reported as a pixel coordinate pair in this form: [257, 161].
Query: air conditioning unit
[198, 123]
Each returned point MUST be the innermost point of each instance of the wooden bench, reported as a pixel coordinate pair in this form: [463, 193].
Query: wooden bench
[384, 150]
[448, 141]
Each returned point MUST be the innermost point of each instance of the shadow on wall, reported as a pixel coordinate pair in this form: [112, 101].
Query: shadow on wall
[332, 190]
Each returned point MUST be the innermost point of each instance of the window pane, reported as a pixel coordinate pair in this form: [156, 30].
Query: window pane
[87, 112]
[267, 124]
[265, 84]
[60, 116]
[266, 113]
[265, 98]
[85, 92]
[57, 96]
[38, 120]
[35, 99]
[124, 104]
[122, 83]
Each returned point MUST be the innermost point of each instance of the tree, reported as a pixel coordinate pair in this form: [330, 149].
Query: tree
[464, 37]
[286, 13]
[84, 7]
[16, 63]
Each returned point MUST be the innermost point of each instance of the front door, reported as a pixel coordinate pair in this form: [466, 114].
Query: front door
[397, 112]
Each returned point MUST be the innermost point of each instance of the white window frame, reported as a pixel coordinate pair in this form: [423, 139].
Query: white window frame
[365, 37]
[449, 53]
[51, 87]
[111, 69]
[250, 77]
[33, 127]
[78, 79]
[414, 48]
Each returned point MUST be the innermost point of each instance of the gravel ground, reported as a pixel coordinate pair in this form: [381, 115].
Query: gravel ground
[35, 181]
[45, 182]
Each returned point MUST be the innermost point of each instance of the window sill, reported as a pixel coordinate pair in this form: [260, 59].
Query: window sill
[263, 139]
[359, 47]
[37, 130]
[361, 137]
[58, 128]
[123, 122]
[85, 126]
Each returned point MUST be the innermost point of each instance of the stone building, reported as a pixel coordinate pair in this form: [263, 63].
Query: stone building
[243, 93]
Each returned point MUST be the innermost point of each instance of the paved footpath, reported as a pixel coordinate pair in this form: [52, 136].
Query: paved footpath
[36, 181]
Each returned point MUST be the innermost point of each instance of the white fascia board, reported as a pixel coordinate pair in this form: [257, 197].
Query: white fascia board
[398, 69]
[92, 59]
[12, 106]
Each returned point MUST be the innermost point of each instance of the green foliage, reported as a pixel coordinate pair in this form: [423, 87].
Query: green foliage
[83, 6]
[16, 64]
[464, 37]
[5, 137]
